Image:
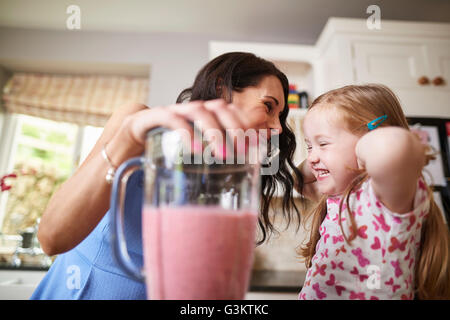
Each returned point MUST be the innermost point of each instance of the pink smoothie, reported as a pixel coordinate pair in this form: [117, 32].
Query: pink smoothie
[198, 252]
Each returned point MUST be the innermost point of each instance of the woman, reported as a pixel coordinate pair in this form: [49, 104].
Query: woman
[234, 90]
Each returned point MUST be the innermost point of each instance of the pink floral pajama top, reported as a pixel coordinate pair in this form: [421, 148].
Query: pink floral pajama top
[379, 263]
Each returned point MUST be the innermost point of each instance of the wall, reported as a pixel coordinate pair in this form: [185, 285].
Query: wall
[174, 59]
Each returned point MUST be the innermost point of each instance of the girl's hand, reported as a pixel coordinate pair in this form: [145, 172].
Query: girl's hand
[422, 137]
[393, 157]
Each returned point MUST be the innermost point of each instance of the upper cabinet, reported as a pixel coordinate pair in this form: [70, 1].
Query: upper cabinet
[411, 58]
[412, 64]
[439, 54]
[417, 70]
[391, 63]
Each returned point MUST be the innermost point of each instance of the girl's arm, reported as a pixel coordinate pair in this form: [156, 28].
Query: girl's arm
[393, 157]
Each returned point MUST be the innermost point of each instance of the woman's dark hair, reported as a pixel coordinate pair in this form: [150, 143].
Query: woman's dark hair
[236, 71]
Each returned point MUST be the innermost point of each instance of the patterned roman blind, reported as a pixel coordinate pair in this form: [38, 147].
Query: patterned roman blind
[80, 99]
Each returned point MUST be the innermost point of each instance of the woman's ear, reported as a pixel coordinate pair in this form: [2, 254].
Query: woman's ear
[222, 91]
[219, 88]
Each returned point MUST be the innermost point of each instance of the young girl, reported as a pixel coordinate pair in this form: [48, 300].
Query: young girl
[377, 232]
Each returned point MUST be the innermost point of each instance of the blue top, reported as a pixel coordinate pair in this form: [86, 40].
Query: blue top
[89, 271]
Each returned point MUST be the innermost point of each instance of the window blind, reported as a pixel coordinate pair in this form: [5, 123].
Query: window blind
[80, 99]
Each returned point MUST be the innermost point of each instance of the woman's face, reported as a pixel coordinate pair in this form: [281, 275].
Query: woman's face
[262, 104]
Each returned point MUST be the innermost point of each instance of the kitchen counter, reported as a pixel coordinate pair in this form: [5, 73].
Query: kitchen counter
[20, 282]
[277, 281]
[7, 266]
[261, 280]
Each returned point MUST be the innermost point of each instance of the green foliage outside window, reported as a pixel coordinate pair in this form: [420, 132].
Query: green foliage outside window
[43, 160]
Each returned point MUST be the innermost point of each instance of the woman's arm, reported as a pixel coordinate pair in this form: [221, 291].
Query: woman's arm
[393, 157]
[81, 202]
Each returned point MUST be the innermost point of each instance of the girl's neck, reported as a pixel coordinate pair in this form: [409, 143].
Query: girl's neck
[335, 196]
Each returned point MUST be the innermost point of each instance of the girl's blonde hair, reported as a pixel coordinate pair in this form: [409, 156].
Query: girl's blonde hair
[356, 106]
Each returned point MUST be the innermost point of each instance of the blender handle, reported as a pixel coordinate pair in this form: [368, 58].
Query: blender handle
[118, 242]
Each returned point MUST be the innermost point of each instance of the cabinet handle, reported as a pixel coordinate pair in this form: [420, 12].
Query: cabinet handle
[438, 81]
[423, 81]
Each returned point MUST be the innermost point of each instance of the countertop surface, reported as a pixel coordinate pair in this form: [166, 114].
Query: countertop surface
[7, 266]
[277, 281]
[261, 280]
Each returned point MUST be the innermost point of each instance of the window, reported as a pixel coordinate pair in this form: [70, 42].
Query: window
[43, 154]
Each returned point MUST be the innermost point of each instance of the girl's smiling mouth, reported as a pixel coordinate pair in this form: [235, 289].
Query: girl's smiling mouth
[322, 174]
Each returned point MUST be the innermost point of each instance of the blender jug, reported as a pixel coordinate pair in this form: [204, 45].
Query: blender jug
[198, 222]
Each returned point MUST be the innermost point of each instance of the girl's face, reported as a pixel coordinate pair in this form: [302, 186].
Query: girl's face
[331, 150]
[262, 104]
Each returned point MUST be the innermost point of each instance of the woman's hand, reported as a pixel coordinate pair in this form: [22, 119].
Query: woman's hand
[305, 169]
[210, 116]
[81, 202]
[310, 190]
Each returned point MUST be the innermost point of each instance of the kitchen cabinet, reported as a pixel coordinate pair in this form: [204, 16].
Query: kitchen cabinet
[411, 58]
[406, 64]
[417, 71]
[411, 69]
[392, 63]
[440, 62]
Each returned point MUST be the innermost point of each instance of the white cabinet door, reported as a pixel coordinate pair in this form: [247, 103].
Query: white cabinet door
[430, 100]
[400, 65]
[439, 56]
[393, 64]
